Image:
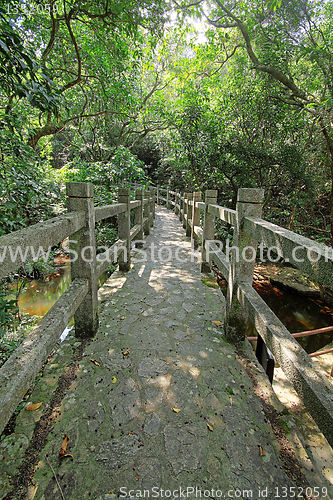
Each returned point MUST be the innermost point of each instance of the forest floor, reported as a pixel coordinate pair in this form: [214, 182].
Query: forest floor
[158, 402]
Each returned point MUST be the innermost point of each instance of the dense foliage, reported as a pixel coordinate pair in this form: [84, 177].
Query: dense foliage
[109, 92]
[195, 95]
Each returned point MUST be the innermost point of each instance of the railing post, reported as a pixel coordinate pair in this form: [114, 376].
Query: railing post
[146, 210]
[81, 198]
[195, 218]
[185, 210]
[138, 217]
[124, 229]
[152, 200]
[181, 209]
[150, 213]
[176, 208]
[208, 228]
[189, 214]
[242, 262]
[157, 196]
[167, 197]
[180, 205]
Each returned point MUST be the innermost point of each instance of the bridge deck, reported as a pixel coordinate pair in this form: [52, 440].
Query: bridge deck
[157, 401]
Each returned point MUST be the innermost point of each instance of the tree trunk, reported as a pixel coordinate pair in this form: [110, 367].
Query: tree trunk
[329, 143]
[331, 203]
[37, 134]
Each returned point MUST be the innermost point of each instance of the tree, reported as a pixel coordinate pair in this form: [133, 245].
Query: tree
[86, 49]
[21, 75]
[292, 45]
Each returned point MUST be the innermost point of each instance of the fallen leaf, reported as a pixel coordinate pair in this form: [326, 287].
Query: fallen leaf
[217, 323]
[126, 353]
[176, 410]
[63, 448]
[97, 363]
[262, 452]
[32, 490]
[113, 380]
[123, 317]
[34, 407]
[210, 427]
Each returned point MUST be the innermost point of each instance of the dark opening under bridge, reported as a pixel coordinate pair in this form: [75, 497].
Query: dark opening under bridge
[152, 394]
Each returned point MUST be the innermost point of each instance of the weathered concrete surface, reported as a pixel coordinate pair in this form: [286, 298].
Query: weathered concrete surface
[20, 370]
[80, 197]
[109, 210]
[315, 259]
[124, 232]
[32, 239]
[157, 350]
[249, 204]
[309, 382]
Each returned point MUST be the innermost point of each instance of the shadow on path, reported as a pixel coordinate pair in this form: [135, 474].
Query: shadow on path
[161, 403]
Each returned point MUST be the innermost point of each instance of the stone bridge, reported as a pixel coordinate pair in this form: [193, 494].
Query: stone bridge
[158, 404]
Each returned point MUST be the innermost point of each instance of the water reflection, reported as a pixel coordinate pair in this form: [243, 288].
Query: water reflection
[40, 295]
[300, 314]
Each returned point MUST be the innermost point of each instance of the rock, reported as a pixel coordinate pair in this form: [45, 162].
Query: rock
[118, 452]
[185, 446]
[152, 367]
[152, 424]
[125, 402]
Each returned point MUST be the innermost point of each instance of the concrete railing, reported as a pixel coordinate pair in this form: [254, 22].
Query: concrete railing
[165, 196]
[80, 299]
[243, 302]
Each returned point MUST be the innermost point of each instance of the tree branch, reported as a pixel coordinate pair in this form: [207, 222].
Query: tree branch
[184, 7]
[221, 63]
[218, 25]
[277, 74]
[55, 27]
[79, 62]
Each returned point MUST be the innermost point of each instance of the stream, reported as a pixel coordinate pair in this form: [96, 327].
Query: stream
[298, 313]
[40, 295]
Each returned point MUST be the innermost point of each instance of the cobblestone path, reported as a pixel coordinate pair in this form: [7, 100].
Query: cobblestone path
[160, 404]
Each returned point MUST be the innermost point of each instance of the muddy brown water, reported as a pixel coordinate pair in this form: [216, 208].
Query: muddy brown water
[297, 312]
[40, 295]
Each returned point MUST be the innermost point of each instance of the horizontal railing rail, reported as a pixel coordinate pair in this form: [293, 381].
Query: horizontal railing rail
[107, 211]
[315, 259]
[21, 369]
[243, 302]
[80, 299]
[25, 244]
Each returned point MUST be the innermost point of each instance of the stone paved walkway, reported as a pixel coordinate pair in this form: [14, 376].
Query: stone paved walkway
[160, 401]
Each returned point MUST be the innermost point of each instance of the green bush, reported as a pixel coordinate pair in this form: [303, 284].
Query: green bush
[28, 190]
[123, 167]
[8, 311]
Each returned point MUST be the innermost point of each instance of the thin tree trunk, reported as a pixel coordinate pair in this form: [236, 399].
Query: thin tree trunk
[292, 217]
[329, 143]
[331, 203]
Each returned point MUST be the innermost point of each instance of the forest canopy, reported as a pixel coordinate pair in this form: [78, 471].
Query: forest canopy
[196, 95]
